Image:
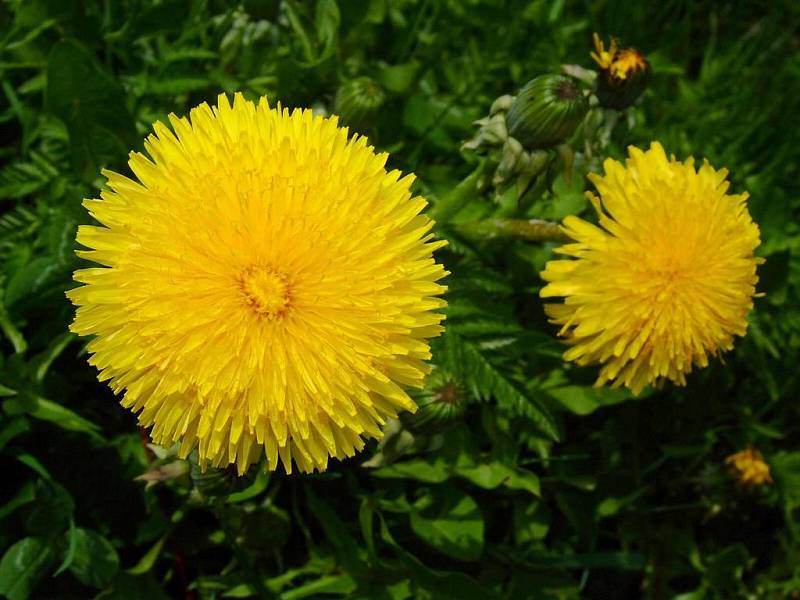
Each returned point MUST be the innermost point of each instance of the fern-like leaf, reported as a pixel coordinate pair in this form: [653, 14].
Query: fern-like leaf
[468, 363]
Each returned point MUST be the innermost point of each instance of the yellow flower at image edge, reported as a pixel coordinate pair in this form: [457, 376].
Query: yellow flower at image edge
[664, 281]
[266, 287]
[749, 467]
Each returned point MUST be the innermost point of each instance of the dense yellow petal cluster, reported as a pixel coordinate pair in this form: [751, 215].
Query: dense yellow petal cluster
[265, 283]
[749, 467]
[666, 279]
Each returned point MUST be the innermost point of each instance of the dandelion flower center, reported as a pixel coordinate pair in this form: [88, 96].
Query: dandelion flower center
[266, 290]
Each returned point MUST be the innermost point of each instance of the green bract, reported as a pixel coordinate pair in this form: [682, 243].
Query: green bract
[547, 111]
[358, 100]
[442, 404]
[621, 93]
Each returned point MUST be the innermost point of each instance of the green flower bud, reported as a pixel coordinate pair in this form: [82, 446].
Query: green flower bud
[622, 93]
[547, 111]
[213, 481]
[358, 100]
[443, 402]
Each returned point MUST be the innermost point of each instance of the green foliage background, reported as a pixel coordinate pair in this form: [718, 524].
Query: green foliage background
[545, 487]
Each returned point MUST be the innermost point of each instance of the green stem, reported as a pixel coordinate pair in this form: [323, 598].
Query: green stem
[451, 204]
[533, 230]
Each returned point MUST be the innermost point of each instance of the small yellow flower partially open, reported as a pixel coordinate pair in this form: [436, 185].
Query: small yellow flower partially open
[621, 63]
[623, 74]
[749, 467]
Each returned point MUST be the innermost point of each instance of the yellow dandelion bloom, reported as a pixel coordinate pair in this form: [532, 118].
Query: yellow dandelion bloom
[749, 467]
[619, 63]
[265, 284]
[666, 278]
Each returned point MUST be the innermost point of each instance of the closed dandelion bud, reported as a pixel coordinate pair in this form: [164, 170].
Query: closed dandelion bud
[358, 100]
[547, 111]
[622, 77]
[212, 481]
[443, 403]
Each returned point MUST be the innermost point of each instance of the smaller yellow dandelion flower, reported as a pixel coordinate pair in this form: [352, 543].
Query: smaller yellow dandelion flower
[749, 467]
[666, 278]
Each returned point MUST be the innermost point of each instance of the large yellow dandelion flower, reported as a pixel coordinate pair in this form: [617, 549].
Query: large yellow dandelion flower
[666, 279]
[265, 283]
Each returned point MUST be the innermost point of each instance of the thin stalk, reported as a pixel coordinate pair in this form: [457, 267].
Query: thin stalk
[452, 203]
[529, 230]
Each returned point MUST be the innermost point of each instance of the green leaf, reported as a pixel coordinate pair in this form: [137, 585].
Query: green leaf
[265, 528]
[12, 428]
[95, 562]
[69, 554]
[46, 410]
[174, 86]
[430, 584]
[23, 565]
[52, 511]
[493, 474]
[92, 104]
[467, 362]
[41, 362]
[451, 522]
[129, 587]
[582, 400]
[25, 495]
[149, 559]
[627, 561]
[349, 554]
[398, 78]
[786, 470]
[531, 521]
[253, 490]
[32, 279]
[332, 584]
[435, 470]
[33, 463]
[327, 24]
[726, 568]
[13, 334]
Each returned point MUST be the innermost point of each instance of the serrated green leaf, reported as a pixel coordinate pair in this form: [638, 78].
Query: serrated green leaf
[92, 104]
[467, 362]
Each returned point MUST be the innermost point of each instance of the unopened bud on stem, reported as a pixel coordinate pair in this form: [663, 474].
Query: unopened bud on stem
[547, 111]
